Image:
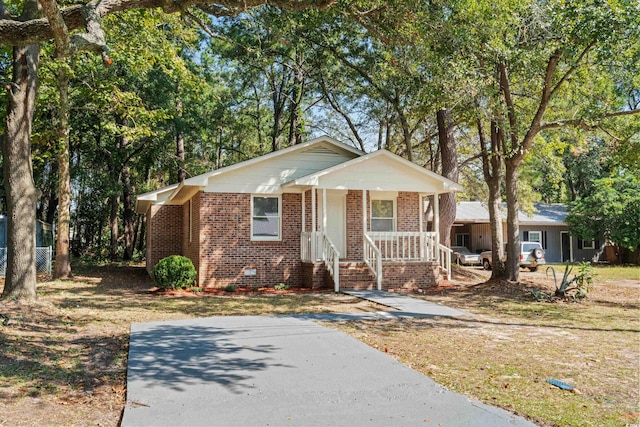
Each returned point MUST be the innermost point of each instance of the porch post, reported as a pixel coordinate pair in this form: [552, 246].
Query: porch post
[313, 225]
[324, 210]
[436, 224]
[304, 214]
[421, 224]
[364, 212]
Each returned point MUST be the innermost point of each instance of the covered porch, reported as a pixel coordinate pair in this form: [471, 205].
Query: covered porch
[369, 215]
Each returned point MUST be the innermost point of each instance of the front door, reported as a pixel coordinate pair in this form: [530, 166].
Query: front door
[336, 219]
[566, 246]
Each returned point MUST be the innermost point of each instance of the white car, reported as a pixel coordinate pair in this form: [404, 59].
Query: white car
[464, 256]
[531, 256]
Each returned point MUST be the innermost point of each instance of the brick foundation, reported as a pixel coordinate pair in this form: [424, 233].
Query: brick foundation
[315, 276]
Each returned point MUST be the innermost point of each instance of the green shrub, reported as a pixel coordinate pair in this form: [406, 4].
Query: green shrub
[281, 287]
[174, 272]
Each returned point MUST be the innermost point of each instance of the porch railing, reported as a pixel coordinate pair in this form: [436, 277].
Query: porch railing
[445, 259]
[331, 258]
[373, 259]
[405, 245]
[310, 246]
[316, 246]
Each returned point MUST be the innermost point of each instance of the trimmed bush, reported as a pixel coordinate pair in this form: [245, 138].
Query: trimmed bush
[174, 272]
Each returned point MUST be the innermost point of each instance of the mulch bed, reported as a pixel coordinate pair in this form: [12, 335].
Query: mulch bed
[240, 290]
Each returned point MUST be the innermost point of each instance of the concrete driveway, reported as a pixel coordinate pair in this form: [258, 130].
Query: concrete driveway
[281, 371]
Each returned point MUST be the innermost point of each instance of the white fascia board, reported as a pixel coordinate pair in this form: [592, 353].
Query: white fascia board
[203, 180]
[313, 179]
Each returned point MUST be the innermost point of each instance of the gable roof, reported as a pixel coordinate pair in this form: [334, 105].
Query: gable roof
[321, 160]
[544, 213]
[178, 193]
[380, 170]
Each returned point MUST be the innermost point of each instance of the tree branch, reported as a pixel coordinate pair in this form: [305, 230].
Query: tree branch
[26, 32]
[571, 69]
[583, 123]
[57, 25]
[547, 91]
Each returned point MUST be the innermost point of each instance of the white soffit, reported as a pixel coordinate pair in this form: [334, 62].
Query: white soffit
[379, 171]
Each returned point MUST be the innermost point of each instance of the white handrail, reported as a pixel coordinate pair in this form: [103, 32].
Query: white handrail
[331, 258]
[372, 255]
[445, 259]
[405, 245]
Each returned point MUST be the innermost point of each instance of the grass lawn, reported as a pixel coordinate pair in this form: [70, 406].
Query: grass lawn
[505, 351]
[63, 358]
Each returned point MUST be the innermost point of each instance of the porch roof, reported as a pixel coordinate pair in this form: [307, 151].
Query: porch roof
[380, 171]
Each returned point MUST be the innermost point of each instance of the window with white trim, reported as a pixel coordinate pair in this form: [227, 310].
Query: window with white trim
[266, 217]
[535, 236]
[383, 215]
[588, 244]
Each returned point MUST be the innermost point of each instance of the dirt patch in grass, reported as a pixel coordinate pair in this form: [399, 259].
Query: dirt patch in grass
[503, 353]
[63, 358]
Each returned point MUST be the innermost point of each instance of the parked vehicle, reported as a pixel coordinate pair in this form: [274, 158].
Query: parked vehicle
[464, 256]
[531, 256]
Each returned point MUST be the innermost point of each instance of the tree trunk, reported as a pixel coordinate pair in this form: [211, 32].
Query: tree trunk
[449, 155]
[63, 258]
[492, 171]
[179, 136]
[295, 123]
[142, 228]
[20, 191]
[513, 226]
[113, 225]
[129, 217]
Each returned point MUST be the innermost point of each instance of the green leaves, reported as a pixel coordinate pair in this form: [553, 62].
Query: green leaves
[612, 209]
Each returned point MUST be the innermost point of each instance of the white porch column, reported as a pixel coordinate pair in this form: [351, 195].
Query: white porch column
[436, 224]
[304, 213]
[364, 212]
[421, 211]
[313, 225]
[421, 224]
[364, 220]
[324, 210]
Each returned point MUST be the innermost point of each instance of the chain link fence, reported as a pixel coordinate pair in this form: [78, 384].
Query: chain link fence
[44, 257]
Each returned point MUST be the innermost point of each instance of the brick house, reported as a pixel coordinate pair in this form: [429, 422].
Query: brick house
[317, 214]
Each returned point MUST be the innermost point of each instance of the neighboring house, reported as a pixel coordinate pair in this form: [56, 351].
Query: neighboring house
[317, 214]
[546, 225]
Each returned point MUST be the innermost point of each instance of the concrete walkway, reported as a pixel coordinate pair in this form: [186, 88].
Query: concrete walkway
[413, 307]
[281, 371]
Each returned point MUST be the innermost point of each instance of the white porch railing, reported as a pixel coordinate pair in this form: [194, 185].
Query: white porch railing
[310, 246]
[379, 246]
[405, 245]
[445, 259]
[373, 259]
[315, 246]
[331, 258]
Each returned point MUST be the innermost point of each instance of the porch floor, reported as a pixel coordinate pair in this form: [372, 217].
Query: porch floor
[406, 304]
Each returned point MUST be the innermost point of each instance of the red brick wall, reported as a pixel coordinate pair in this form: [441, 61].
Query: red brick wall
[409, 275]
[191, 230]
[408, 206]
[227, 249]
[164, 233]
[315, 276]
[354, 225]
